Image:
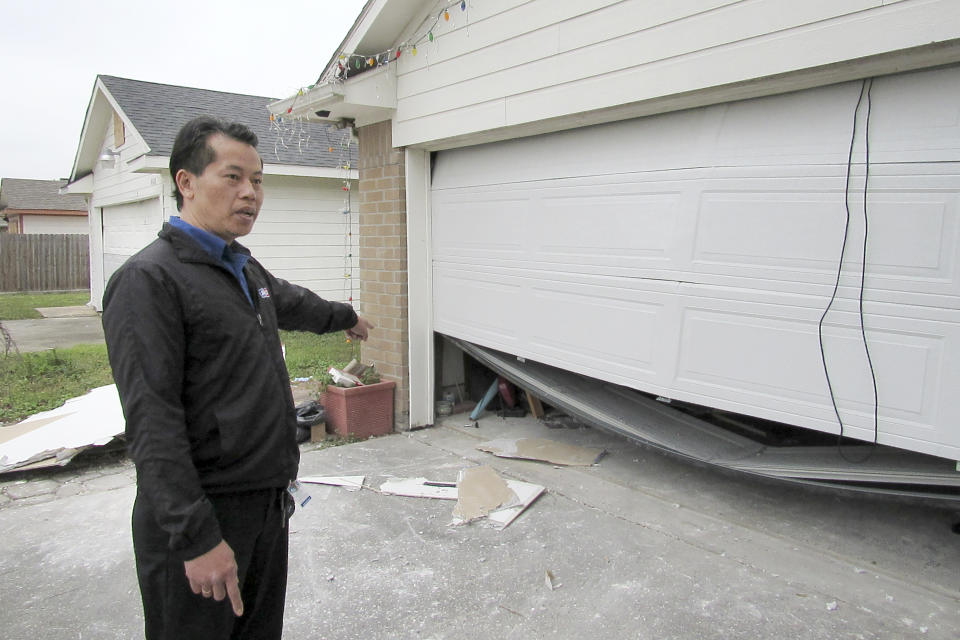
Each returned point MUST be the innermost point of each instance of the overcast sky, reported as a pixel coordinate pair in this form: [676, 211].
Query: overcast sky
[51, 52]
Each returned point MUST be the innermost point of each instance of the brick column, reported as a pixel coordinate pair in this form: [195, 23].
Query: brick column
[383, 259]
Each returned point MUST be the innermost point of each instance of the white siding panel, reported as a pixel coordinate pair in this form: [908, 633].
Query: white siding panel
[538, 60]
[567, 58]
[692, 255]
[301, 235]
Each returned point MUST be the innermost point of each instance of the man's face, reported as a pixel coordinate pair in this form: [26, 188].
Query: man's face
[226, 198]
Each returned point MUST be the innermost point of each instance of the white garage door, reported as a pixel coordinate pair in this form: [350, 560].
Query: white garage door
[127, 228]
[693, 254]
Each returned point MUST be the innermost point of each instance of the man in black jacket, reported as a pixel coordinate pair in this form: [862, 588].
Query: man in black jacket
[191, 324]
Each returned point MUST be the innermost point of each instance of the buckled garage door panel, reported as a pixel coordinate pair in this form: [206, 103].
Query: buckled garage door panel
[693, 254]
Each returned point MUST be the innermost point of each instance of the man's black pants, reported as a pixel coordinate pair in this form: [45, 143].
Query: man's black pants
[254, 525]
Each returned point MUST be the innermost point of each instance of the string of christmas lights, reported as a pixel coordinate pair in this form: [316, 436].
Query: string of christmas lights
[343, 161]
[292, 130]
[354, 63]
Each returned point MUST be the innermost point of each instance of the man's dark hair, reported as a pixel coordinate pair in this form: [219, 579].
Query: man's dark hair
[192, 152]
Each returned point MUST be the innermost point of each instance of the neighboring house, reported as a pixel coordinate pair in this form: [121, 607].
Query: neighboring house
[303, 231]
[37, 206]
[657, 194]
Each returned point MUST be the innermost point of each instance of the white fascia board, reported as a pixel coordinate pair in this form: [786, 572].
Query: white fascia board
[160, 164]
[310, 172]
[367, 98]
[149, 164]
[304, 105]
[154, 190]
[100, 111]
[93, 120]
[82, 186]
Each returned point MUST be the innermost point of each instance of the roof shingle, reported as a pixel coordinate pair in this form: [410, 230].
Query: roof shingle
[20, 193]
[159, 110]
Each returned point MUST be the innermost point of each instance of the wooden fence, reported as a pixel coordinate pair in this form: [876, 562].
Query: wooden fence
[44, 262]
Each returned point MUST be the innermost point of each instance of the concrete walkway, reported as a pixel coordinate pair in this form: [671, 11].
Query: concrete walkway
[642, 545]
[56, 331]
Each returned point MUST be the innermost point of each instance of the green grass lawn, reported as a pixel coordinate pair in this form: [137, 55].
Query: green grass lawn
[310, 355]
[22, 306]
[35, 382]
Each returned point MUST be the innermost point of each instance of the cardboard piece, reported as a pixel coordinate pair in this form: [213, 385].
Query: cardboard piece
[56, 436]
[543, 450]
[318, 432]
[419, 488]
[350, 483]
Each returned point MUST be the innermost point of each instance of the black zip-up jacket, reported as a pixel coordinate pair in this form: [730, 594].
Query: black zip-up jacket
[202, 380]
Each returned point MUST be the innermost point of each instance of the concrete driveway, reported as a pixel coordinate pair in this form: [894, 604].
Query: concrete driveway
[641, 545]
[60, 327]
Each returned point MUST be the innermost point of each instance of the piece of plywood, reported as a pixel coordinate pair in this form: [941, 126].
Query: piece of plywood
[536, 407]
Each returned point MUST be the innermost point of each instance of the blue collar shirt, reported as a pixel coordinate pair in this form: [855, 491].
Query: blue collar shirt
[218, 249]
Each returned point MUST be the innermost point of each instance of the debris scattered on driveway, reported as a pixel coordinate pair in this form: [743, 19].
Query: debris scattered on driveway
[551, 581]
[419, 488]
[54, 437]
[479, 491]
[526, 494]
[350, 483]
[481, 487]
[543, 450]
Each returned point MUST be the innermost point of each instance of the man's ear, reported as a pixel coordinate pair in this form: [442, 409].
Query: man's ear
[185, 183]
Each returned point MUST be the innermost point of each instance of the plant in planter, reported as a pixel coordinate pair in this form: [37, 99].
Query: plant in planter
[359, 411]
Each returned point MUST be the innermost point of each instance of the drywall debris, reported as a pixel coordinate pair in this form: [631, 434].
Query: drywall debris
[481, 490]
[526, 494]
[483, 493]
[551, 581]
[54, 437]
[350, 483]
[419, 488]
[543, 450]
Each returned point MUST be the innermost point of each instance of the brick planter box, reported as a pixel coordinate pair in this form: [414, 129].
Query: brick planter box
[360, 411]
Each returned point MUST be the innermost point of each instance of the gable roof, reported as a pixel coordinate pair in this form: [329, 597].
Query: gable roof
[38, 195]
[159, 110]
